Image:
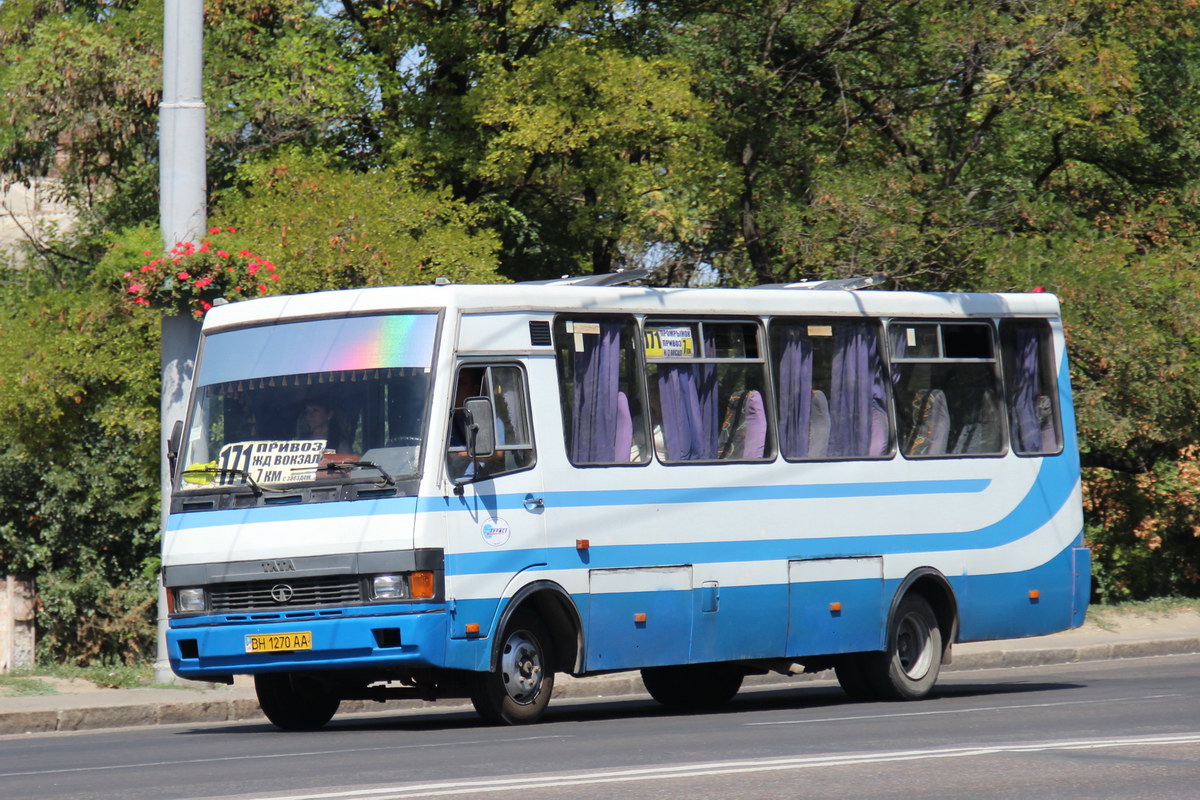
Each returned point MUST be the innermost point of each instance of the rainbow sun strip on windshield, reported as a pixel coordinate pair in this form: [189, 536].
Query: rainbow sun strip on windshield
[324, 345]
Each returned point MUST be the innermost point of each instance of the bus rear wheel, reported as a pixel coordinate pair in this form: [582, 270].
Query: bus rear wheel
[692, 686]
[518, 690]
[909, 667]
[295, 702]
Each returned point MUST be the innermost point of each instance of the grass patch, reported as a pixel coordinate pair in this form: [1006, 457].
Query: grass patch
[19, 686]
[1105, 616]
[113, 676]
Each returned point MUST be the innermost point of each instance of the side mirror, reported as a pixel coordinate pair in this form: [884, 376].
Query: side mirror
[173, 443]
[481, 428]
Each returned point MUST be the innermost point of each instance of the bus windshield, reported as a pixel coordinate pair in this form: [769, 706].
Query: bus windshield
[303, 402]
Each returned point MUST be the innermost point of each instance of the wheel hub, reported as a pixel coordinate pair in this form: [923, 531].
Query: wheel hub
[913, 646]
[521, 668]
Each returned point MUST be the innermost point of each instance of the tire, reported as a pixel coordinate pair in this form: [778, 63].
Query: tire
[295, 702]
[692, 687]
[518, 690]
[909, 668]
[853, 674]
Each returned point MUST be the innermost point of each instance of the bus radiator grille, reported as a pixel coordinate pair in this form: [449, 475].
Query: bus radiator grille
[273, 595]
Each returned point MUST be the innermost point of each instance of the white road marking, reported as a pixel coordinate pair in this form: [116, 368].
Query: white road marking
[556, 781]
[963, 710]
[218, 759]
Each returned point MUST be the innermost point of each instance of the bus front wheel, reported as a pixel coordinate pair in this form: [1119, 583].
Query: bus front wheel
[518, 690]
[909, 667]
[295, 702]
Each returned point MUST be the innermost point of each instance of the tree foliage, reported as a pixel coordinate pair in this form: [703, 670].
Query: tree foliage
[79, 468]
[335, 227]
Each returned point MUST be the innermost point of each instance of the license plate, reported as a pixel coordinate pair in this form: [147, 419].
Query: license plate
[278, 642]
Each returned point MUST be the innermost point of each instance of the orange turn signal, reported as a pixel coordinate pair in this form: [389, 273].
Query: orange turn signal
[472, 628]
[582, 544]
[421, 584]
[835, 607]
[639, 617]
[1034, 594]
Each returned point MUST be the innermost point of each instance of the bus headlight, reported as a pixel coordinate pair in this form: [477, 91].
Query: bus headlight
[189, 601]
[389, 587]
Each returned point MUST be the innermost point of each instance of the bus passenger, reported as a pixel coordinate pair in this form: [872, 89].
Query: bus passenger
[320, 421]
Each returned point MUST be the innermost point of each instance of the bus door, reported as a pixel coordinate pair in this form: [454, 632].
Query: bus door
[496, 521]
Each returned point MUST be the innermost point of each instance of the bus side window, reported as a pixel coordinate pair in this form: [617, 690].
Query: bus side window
[505, 386]
[707, 391]
[946, 389]
[829, 379]
[1033, 413]
[604, 420]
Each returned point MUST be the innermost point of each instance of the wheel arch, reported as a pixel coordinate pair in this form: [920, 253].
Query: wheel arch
[932, 585]
[554, 605]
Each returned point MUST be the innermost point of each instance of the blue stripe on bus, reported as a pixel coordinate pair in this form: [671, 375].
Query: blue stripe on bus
[726, 494]
[572, 499]
[193, 520]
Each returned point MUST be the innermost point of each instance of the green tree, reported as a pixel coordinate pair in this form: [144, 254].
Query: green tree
[83, 82]
[900, 137]
[578, 144]
[332, 228]
[79, 467]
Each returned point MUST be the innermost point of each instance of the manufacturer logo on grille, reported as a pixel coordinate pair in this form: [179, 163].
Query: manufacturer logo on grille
[279, 565]
[281, 593]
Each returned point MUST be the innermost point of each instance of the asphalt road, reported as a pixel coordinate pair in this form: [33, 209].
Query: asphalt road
[1127, 729]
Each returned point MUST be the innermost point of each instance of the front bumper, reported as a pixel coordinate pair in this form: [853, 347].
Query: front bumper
[417, 639]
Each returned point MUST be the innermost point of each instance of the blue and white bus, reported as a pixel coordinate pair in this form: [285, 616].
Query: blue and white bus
[460, 491]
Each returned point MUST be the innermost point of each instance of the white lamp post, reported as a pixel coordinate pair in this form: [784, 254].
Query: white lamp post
[182, 184]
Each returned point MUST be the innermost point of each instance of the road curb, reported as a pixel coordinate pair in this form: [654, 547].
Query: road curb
[1070, 655]
[233, 709]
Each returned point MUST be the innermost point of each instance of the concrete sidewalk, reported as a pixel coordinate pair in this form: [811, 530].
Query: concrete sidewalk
[1111, 636]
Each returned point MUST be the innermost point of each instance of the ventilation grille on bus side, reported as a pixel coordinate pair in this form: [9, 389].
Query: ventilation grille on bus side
[539, 333]
[271, 595]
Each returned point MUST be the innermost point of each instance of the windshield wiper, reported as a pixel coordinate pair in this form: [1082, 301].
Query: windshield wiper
[223, 472]
[349, 466]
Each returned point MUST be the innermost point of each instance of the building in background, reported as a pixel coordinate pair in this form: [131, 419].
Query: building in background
[31, 213]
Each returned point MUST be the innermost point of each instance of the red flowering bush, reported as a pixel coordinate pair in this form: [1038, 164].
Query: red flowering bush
[189, 278]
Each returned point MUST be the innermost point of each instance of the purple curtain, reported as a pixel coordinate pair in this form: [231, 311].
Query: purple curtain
[594, 412]
[857, 390]
[755, 442]
[1026, 389]
[688, 397]
[795, 391]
